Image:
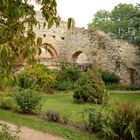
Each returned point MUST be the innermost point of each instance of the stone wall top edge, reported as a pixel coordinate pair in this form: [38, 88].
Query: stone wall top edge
[94, 31]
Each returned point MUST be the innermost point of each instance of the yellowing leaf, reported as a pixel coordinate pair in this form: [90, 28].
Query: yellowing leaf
[70, 23]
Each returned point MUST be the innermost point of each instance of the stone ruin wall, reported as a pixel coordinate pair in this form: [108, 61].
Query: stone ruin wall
[106, 53]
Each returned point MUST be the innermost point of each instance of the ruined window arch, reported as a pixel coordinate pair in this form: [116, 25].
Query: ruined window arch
[79, 57]
[48, 56]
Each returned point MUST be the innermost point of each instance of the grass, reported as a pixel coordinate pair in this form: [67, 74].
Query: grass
[45, 126]
[64, 103]
[132, 97]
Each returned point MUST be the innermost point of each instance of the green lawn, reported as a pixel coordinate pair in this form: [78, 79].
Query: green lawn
[132, 97]
[45, 126]
[64, 103]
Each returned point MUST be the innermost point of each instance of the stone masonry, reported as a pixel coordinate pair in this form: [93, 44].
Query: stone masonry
[80, 45]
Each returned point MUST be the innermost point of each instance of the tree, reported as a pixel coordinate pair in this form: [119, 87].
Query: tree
[102, 21]
[121, 15]
[17, 38]
[136, 24]
[119, 22]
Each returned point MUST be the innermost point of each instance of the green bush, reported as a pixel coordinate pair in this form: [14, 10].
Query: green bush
[73, 73]
[91, 88]
[124, 120]
[132, 87]
[37, 77]
[81, 95]
[28, 100]
[8, 103]
[66, 77]
[7, 134]
[120, 123]
[6, 93]
[109, 77]
[124, 123]
[64, 85]
[137, 127]
[95, 119]
[24, 81]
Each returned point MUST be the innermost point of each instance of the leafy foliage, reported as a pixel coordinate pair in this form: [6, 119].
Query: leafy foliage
[109, 78]
[137, 127]
[122, 22]
[37, 77]
[101, 21]
[17, 38]
[67, 77]
[124, 118]
[136, 21]
[28, 100]
[123, 123]
[91, 88]
[70, 23]
[64, 85]
[7, 103]
[95, 119]
[14, 45]
[132, 87]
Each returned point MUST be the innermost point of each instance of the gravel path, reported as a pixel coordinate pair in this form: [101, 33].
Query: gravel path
[30, 134]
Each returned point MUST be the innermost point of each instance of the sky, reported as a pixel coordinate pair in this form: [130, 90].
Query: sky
[83, 10]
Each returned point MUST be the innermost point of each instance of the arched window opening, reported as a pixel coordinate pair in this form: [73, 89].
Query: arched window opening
[79, 57]
[48, 56]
